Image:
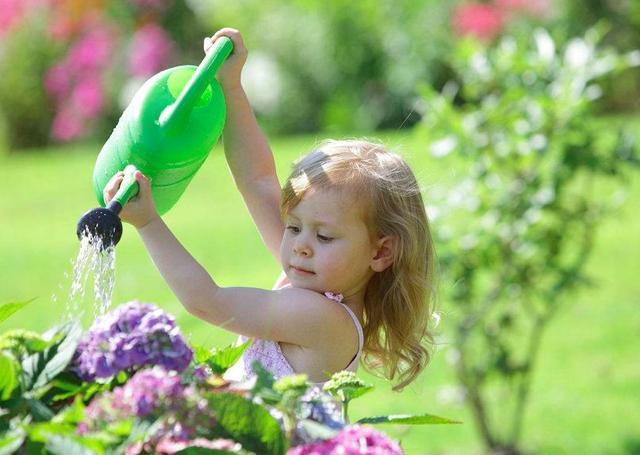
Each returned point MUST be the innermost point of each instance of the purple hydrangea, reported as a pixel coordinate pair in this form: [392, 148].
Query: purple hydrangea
[131, 336]
[319, 407]
[153, 393]
[146, 392]
[356, 439]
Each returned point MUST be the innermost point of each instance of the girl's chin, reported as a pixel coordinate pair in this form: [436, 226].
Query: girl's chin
[297, 282]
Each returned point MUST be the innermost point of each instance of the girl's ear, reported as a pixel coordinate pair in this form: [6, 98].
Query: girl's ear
[384, 253]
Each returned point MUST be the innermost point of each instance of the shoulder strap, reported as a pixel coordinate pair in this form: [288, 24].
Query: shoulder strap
[360, 336]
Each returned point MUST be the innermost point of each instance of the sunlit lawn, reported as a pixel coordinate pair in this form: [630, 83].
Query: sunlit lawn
[586, 389]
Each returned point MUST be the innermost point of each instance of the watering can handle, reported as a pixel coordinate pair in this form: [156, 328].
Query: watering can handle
[176, 113]
[128, 188]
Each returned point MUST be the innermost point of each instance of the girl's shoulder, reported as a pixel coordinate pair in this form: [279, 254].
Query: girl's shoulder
[336, 320]
[281, 282]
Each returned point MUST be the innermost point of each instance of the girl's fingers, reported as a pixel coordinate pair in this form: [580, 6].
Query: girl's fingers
[231, 33]
[144, 183]
[112, 186]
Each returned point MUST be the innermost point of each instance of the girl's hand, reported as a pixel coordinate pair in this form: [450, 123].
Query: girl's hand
[229, 73]
[140, 210]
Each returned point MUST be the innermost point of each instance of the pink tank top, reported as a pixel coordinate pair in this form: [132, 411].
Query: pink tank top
[270, 355]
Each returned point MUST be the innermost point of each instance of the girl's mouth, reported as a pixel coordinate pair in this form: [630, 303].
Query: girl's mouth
[301, 271]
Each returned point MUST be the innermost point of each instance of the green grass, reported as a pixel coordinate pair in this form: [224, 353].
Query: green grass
[586, 388]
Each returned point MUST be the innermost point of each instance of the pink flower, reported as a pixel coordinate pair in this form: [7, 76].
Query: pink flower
[14, 11]
[58, 81]
[92, 52]
[11, 11]
[483, 21]
[356, 439]
[150, 51]
[75, 83]
[87, 97]
[66, 125]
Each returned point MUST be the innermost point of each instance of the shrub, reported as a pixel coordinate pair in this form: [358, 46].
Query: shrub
[338, 65]
[163, 399]
[515, 233]
[26, 110]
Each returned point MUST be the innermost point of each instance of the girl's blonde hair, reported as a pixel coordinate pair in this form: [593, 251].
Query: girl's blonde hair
[398, 301]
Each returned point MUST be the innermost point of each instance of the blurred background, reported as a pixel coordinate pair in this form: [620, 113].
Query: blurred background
[520, 119]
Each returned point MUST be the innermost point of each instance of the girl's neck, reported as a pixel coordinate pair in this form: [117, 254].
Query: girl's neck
[355, 303]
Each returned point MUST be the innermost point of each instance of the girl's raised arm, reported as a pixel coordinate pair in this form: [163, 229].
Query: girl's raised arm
[293, 315]
[246, 149]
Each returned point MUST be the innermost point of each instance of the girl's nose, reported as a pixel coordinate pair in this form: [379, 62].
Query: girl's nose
[301, 247]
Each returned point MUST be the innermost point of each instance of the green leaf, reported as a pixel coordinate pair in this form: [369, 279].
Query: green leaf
[8, 376]
[200, 353]
[20, 340]
[140, 430]
[202, 451]
[66, 385]
[263, 387]
[41, 432]
[406, 419]
[248, 423]
[123, 427]
[220, 360]
[71, 445]
[40, 368]
[72, 414]
[93, 389]
[62, 439]
[39, 410]
[264, 379]
[12, 440]
[7, 309]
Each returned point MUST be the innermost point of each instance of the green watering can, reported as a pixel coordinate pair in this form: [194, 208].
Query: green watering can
[167, 132]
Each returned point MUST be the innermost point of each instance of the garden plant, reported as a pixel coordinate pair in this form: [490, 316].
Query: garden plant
[131, 384]
[515, 232]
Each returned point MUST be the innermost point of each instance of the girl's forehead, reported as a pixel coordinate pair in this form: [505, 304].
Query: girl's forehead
[330, 205]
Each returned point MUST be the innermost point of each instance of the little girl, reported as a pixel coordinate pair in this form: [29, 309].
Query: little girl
[350, 230]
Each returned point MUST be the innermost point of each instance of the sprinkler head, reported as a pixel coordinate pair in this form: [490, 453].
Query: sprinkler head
[102, 223]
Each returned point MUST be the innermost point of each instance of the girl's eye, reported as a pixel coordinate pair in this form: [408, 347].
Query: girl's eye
[294, 229]
[324, 238]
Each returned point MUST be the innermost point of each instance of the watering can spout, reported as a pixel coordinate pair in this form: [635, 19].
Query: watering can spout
[177, 113]
[103, 224]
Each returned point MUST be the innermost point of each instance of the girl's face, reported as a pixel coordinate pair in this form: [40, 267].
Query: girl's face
[326, 245]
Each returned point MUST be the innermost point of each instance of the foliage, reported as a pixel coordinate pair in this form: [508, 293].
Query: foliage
[24, 106]
[620, 92]
[515, 233]
[162, 407]
[337, 65]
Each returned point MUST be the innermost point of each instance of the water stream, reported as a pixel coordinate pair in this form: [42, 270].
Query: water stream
[93, 264]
